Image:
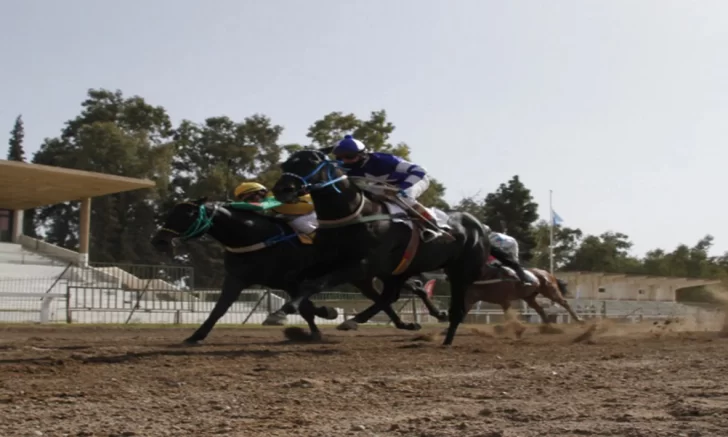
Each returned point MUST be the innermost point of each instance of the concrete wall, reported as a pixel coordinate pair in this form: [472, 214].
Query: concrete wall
[621, 287]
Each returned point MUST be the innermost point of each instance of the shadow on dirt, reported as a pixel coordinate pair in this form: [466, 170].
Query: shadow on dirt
[177, 352]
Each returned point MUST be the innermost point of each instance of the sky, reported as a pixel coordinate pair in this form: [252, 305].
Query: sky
[618, 106]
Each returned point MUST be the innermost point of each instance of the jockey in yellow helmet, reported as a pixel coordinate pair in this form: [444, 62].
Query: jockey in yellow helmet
[251, 192]
[301, 216]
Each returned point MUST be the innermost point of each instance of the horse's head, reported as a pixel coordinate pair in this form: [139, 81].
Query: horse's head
[306, 171]
[186, 220]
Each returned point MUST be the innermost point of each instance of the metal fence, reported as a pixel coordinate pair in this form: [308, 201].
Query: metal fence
[114, 293]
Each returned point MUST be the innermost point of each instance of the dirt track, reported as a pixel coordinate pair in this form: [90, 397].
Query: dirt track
[110, 381]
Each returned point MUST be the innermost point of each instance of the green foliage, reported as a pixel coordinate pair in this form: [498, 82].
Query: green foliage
[510, 210]
[566, 243]
[16, 151]
[115, 135]
[131, 137]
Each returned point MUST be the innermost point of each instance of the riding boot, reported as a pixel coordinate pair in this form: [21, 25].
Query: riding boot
[522, 275]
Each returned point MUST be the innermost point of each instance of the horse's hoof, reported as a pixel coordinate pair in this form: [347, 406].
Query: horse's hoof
[288, 308]
[316, 336]
[442, 317]
[330, 313]
[274, 320]
[412, 326]
[191, 341]
[348, 325]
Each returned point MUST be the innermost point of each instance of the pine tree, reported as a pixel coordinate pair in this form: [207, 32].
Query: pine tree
[16, 152]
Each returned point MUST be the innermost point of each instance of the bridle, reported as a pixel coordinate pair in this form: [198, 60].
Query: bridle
[326, 164]
[201, 225]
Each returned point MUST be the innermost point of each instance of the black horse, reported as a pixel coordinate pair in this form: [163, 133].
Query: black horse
[259, 250]
[357, 237]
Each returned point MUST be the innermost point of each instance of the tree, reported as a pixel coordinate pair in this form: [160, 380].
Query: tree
[213, 157]
[608, 252]
[510, 209]
[692, 262]
[16, 151]
[115, 135]
[566, 243]
[375, 133]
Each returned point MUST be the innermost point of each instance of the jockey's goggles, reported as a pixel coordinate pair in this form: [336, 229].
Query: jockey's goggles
[244, 196]
[348, 157]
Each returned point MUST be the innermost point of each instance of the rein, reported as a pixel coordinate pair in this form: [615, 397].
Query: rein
[329, 165]
[203, 223]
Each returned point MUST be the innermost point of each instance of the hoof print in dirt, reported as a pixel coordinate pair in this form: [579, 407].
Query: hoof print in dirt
[348, 325]
[429, 337]
[586, 336]
[189, 342]
[297, 334]
[550, 329]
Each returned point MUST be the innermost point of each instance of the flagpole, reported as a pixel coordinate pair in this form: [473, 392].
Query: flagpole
[551, 232]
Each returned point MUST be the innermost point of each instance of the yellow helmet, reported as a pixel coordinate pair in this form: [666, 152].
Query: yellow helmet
[249, 188]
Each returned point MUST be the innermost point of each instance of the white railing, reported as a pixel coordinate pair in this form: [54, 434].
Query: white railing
[25, 307]
[99, 305]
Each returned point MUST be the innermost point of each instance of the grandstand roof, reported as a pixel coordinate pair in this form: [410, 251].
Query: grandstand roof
[31, 185]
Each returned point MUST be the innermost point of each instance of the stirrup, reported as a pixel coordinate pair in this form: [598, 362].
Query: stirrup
[429, 235]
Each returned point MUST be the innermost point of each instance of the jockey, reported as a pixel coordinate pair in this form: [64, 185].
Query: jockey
[250, 192]
[410, 178]
[300, 216]
[509, 247]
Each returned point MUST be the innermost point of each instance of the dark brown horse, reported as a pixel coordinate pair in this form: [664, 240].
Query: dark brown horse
[500, 285]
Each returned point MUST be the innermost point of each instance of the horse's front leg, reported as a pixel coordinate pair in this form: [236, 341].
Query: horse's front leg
[318, 276]
[440, 315]
[231, 288]
[308, 312]
[531, 302]
[366, 288]
[390, 294]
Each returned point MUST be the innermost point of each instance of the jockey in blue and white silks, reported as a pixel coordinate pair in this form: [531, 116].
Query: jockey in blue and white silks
[411, 178]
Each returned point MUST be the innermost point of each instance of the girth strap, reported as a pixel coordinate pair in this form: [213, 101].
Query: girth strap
[410, 251]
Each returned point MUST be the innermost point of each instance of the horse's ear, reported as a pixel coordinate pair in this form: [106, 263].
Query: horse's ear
[327, 150]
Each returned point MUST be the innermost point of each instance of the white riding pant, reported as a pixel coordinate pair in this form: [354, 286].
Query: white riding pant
[416, 190]
[304, 224]
[506, 243]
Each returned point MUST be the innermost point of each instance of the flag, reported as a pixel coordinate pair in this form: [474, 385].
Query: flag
[557, 220]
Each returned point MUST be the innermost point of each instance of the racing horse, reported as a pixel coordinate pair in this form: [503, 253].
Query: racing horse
[500, 285]
[359, 237]
[258, 250]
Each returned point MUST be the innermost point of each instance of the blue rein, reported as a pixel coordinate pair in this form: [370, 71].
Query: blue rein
[330, 166]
